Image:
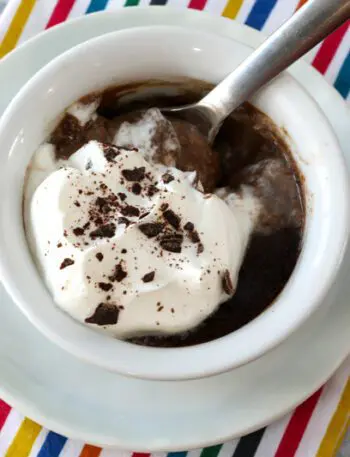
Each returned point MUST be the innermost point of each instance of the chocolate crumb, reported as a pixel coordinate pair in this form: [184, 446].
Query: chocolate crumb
[151, 229]
[160, 309]
[227, 283]
[189, 226]
[129, 210]
[137, 174]
[152, 190]
[164, 206]
[99, 256]
[136, 188]
[59, 245]
[66, 263]
[148, 277]
[172, 218]
[172, 310]
[110, 152]
[200, 248]
[124, 251]
[124, 220]
[105, 314]
[119, 274]
[122, 196]
[105, 286]
[171, 243]
[78, 231]
[76, 203]
[167, 178]
[194, 237]
[105, 231]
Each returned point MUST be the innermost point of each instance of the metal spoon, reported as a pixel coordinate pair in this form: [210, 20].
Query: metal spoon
[313, 22]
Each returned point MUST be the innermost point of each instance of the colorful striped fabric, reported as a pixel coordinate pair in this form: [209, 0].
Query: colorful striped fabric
[316, 428]
[25, 18]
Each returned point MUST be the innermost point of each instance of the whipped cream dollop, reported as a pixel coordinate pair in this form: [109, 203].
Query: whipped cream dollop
[129, 246]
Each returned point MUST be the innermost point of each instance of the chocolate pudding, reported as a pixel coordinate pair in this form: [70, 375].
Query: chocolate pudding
[249, 152]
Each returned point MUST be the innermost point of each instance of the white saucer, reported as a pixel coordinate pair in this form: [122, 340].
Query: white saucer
[81, 401]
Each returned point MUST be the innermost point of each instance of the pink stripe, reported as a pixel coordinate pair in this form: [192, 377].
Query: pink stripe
[60, 13]
[296, 427]
[328, 48]
[197, 4]
[4, 412]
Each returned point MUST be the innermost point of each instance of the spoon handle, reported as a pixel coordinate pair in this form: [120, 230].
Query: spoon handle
[313, 22]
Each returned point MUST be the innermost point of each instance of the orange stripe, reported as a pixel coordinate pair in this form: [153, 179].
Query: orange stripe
[16, 27]
[24, 439]
[337, 426]
[300, 4]
[90, 451]
[232, 8]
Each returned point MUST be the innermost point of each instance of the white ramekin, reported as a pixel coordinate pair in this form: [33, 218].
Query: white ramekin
[167, 53]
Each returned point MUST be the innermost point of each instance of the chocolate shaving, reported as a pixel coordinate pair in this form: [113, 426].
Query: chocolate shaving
[172, 243]
[189, 226]
[110, 152]
[105, 314]
[194, 237]
[105, 231]
[119, 274]
[200, 248]
[78, 231]
[136, 188]
[137, 174]
[151, 229]
[105, 286]
[167, 178]
[148, 277]
[66, 263]
[227, 283]
[152, 190]
[124, 220]
[172, 218]
[99, 256]
[130, 211]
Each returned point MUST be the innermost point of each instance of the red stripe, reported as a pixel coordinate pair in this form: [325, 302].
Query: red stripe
[197, 4]
[328, 48]
[296, 427]
[4, 412]
[60, 13]
[140, 454]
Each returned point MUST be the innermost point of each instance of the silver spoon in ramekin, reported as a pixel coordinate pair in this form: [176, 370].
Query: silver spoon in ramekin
[311, 24]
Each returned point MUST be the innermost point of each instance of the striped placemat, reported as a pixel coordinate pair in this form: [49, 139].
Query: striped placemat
[314, 429]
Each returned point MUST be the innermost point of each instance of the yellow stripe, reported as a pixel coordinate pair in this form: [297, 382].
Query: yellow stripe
[337, 426]
[24, 439]
[16, 27]
[232, 8]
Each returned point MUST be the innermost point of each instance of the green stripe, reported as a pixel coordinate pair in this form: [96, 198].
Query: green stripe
[211, 451]
[132, 2]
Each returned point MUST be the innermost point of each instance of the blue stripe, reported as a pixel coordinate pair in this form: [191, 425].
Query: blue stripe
[52, 445]
[96, 5]
[260, 13]
[342, 83]
[177, 454]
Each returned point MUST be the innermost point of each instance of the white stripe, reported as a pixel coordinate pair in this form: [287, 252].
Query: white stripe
[228, 448]
[7, 15]
[79, 8]
[272, 437]
[194, 453]
[9, 430]
[309, 57]
[338, 58]
[326, 406]
[38, 19]
[114, 453]
[72, 448]
[115, 4]
[38, 442]
[244, 11]
[216, 6]
[282, 11]
[178, 3]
